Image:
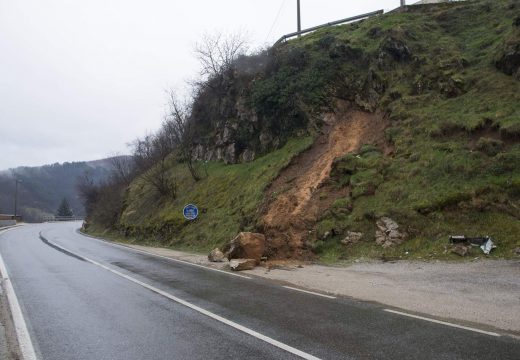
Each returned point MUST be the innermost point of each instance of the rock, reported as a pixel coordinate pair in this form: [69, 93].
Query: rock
[460, 249]
[246, 245]
[509, 60]
[242, 264]
[352, 238]
[516, 250]
[247, 155]
[216, 255]
[387, 233]
[396, 48]
[229, 154]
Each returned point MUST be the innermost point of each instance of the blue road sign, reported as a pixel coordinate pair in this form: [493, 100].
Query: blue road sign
[190, 212]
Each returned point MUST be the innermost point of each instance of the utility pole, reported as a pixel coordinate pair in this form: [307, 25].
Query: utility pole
[299, 21]
[16, 197]
[403, 3]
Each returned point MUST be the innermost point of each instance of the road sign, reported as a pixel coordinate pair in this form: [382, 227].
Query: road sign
[190, 212]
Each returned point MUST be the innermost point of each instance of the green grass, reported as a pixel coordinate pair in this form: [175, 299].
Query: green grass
[227, 198]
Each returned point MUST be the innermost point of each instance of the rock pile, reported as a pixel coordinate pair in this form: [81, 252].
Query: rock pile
[388, 233]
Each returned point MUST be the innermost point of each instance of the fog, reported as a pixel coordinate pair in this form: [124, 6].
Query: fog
[81, 79]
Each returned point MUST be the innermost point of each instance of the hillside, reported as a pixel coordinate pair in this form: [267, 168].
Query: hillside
[42, 188]
[378, 138]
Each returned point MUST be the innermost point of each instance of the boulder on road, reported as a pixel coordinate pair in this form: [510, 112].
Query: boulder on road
[242, 264]
[216, 255]
[246, 245]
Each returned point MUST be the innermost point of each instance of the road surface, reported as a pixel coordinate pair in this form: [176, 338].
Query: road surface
[83, 298]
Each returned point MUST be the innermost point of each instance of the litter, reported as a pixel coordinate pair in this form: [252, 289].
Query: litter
[484, 242]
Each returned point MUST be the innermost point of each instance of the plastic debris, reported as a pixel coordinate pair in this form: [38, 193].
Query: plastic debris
[488, 246]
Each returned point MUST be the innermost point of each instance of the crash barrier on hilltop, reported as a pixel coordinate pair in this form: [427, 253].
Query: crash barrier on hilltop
[337, 22]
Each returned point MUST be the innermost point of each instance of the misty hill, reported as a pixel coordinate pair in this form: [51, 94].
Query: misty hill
[377, 138]
[42, 188]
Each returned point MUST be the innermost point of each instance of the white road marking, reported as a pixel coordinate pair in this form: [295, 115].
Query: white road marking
[443, 322]
[163, 257]
[24, 339]
[221, 319]
[310, 292]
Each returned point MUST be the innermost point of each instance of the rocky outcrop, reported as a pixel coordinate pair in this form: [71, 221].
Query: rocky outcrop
[246, 245]
[242, 264]
[216, 255]
[393, 48]
[388, 233]
[352, 238]
[507, 59]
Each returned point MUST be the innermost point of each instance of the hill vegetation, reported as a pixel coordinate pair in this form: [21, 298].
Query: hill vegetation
[443, 83]
[41, 189]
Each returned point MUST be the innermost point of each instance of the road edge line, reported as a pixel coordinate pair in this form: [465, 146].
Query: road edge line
[490, 333]
[22, 334]
[198, 309]
[309, 292]
[161, 256]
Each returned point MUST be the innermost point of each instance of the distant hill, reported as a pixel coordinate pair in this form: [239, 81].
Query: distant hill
[42, 188]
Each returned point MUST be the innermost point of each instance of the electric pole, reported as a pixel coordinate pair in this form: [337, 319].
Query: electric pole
[16, 197]
[299, 22]
[403, 3]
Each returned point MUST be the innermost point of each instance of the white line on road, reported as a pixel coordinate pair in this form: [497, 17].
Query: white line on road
[310, 292]
[219, 318]
[443, 322]
[162, 257]
[22, 334]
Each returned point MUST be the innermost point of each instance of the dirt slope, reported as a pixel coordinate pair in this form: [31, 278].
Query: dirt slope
[290, 217]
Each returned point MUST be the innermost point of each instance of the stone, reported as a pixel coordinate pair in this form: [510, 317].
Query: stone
[246, 245]
[247, 155]
[242, 264]
[216, 255]
[516, 250]
[460, 249]
[388, 233]
[352, 238]
[396, 48]
[229, 154]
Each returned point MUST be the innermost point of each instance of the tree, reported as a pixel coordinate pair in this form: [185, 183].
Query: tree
[179, 128]
[64, 209]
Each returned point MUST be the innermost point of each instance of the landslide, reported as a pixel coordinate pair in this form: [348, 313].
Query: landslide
[411, 117]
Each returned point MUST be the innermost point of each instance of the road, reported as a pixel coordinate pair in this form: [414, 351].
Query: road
[83, 298]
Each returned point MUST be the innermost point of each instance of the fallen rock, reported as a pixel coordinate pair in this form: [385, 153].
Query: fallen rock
[460, 249]
[216, 255]
[246, 245]
[387, 233]
[242, 264]
[352, 238]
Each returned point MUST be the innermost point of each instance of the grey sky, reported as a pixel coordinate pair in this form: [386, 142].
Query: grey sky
[80, 79]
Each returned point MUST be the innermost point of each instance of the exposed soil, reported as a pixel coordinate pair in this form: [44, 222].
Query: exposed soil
[290, 218]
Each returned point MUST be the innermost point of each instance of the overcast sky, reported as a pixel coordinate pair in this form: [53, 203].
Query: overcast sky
[79, 79]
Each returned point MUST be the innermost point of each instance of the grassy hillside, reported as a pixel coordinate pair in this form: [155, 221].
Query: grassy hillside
[450, 164]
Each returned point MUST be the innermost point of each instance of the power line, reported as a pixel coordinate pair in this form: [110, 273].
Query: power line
[275, 20]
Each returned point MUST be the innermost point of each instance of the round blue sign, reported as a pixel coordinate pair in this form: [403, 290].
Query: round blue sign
[190, 212]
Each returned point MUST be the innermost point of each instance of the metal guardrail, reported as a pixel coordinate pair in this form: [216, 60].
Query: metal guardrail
[337, 22]
[62, 218]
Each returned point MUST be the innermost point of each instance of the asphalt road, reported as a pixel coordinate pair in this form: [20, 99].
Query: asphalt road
[82, 298]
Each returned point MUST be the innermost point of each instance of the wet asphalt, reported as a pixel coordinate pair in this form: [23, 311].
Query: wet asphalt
[77, 310]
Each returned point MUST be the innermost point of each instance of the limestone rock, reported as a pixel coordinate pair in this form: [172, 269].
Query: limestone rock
[388, 233]
[460, 249]
[246, 245]
[352, 238]
[242, 264]
[216, 255]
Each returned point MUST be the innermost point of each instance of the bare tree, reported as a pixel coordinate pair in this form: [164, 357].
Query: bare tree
[123, 169]
[217, 53]
[178, 126]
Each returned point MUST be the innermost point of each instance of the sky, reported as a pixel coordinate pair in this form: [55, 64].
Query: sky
[80, 79]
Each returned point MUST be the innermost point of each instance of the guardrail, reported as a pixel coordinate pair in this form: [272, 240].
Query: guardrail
[337, 22]
[62, 218]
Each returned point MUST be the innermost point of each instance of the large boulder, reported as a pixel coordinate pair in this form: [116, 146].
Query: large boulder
[246, 245]
[388, 233]
[242, 264]
[216, 255]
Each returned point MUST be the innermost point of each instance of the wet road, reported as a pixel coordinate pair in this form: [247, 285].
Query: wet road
[86, 299]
